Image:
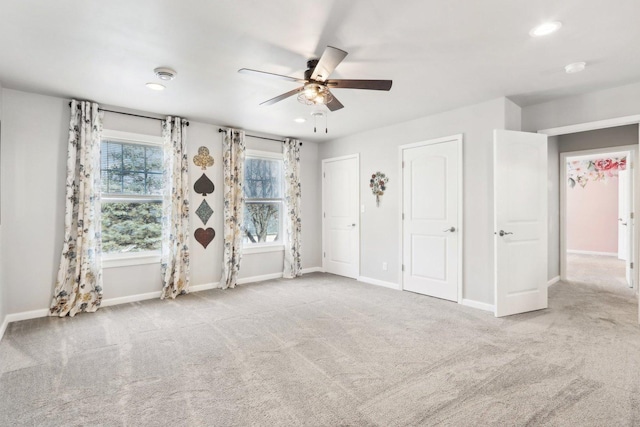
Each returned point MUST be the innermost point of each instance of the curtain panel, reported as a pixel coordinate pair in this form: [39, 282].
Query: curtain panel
[175, 206]
[233, 151]
[78, 285]
[292, 219]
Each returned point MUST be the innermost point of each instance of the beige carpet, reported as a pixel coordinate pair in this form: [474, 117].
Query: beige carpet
[326, 351]
[604, 272]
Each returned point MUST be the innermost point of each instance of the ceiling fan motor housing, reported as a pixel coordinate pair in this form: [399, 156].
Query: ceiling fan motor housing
[311, 65]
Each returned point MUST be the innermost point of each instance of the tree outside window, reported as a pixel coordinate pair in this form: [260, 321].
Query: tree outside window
[131, 176]
[263, 200]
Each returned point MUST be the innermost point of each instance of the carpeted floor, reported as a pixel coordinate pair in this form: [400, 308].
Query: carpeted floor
[326, 351]
[604, 272]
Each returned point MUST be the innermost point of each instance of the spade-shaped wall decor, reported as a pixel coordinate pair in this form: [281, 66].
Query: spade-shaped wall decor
[204, 237]
[203, 185]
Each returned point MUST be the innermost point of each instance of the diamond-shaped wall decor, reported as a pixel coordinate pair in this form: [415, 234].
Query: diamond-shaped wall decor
[204, 212]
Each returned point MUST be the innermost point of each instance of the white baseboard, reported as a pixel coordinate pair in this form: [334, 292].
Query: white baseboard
[553, 281]
[26, 315]
[377, 282]
[205, 287]
[479, 305]
[129, 298]
[577, 252]
[261, 278]
[312, 270]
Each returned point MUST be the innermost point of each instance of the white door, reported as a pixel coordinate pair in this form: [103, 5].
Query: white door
[431, 192]
[341, 225]
[520, 210]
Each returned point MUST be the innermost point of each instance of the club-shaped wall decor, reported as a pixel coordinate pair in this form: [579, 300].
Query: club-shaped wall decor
[203, 159]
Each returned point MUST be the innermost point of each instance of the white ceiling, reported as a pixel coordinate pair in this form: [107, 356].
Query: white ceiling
[440, 54]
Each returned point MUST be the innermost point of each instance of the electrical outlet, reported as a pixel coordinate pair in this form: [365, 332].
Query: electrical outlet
[384, 266]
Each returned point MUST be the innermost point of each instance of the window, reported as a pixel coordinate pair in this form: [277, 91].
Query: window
[132, 181]
[263, 191]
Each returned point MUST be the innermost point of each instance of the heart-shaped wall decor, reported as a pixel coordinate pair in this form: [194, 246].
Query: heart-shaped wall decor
[203, 185]
[204, 237]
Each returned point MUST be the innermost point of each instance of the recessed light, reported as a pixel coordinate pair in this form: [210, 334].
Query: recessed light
[300, 120]
[545, 29]
[576, 67]
[155, 86]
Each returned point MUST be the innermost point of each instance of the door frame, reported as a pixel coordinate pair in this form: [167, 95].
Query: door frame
[633, 153]
[603, 124]
[324, 162]
[458, 139]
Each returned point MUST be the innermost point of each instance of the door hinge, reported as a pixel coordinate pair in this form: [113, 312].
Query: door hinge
[324, 254]
[403, 216]
[403, 163]
[631, 265]
[402, 267]
[631, 215]
[324, 174]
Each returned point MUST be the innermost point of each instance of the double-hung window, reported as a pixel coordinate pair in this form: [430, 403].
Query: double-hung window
[263, 191]
[132, 182]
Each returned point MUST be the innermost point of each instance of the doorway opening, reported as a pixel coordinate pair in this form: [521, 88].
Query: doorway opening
[597, 236]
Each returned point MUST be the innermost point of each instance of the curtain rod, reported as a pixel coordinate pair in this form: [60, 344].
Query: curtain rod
[259, 137]
[129, 114]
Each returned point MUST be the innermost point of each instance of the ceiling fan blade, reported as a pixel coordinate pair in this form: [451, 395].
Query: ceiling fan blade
[271, 75]
[281, 97]
[328, 62]
[360, 84]
[334, 104]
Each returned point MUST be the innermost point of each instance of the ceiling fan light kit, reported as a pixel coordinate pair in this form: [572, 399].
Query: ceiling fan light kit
[315, 89]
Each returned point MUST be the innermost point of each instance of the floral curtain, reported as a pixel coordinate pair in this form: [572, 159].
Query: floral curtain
[292, 220]
[79, 283]
[175, 206]
[583, 171]
[233, 165]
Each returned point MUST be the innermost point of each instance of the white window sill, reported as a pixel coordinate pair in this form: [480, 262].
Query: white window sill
[262, 249]
[129, 259]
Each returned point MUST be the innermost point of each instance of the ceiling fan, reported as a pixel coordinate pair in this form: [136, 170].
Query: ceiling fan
[316, 85]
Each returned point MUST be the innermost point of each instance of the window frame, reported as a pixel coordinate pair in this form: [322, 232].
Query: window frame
[124, 259]
[262, 247]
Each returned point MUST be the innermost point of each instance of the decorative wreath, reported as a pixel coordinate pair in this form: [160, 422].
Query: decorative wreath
[378, 184]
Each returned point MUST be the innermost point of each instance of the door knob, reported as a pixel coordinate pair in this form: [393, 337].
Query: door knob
[450, 230]
[504, 233]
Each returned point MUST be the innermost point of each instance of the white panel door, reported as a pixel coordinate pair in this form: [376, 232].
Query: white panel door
[430, 199]
[520, 209]
[341, 235]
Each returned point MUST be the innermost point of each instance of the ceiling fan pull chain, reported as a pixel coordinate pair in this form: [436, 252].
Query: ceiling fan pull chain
[326, 124]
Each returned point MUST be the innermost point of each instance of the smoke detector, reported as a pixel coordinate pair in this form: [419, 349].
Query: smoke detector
[164, 73]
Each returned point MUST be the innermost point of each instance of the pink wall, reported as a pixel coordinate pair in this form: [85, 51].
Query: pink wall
[592, 216]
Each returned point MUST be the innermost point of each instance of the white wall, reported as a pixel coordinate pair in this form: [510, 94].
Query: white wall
[34, 138]
[610, 103]
[378, 148]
